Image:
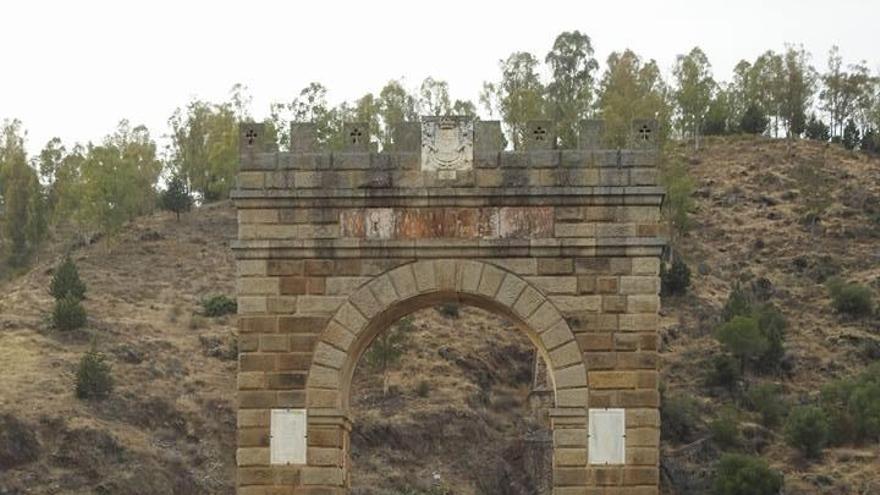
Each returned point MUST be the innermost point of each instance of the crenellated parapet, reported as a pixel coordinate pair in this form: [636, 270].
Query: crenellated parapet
[443, 153]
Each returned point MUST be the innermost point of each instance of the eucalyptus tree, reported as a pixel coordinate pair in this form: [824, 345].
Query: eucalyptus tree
[631, 89]
[570, 91]
[118, 179]
[846, 94]
[434, 97]
[21, 197]
[366, 110]
[395, 104]
[204, 144]
[798, 86]
[693, 93]
[518, 97]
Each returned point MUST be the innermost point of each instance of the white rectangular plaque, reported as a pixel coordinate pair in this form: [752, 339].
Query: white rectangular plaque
[287, 436]
[607, 436]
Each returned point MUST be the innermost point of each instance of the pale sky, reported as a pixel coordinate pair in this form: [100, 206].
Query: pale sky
[73, 69]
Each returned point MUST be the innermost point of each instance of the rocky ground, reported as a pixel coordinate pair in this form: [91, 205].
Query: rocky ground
[169, 425]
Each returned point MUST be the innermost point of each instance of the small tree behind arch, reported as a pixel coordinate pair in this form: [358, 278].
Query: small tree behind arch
[386, 350]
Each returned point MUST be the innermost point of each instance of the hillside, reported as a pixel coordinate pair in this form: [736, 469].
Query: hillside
[747, 227]
[169, 426]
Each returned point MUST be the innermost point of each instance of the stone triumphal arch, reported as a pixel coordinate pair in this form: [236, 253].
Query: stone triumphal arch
[333, 247]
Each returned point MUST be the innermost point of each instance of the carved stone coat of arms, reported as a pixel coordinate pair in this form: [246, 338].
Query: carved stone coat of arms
[447, 145]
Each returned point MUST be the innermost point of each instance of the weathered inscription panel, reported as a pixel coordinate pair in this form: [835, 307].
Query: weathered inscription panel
[462, 223]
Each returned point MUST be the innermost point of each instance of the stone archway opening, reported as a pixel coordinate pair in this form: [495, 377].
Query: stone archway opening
[438, 300]
[389, 296]
[464, 377]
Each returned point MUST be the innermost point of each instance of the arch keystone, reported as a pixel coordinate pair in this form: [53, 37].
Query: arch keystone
[447, 274]
[426, 279]
[469, 273]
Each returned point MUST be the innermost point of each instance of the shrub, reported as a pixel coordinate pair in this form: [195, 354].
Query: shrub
[423, 389]
[851, 136]
[93, 378]
[772, 325]
[676, 279]
[738, 304]
[385, 351]
[176, 198]
[853, 407]
[219, 305]
[725, 429]
[717, 117]
[738, 474]
[679, 201]
[850, 299]
[762, 289]
[66, 281]
[406, 324]
[725, 372]
[767, 400]
[679, 418]
[870, 141]
[807, 430]
[18, 442]
[449, 309]
[742, 337]
[753, 120]
[817, 130]
[68, 314]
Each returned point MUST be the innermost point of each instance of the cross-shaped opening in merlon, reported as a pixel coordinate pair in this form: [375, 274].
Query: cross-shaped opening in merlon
[251, 136]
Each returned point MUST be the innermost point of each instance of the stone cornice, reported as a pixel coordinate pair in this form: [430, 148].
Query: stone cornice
[449, 248]
[459, 197]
